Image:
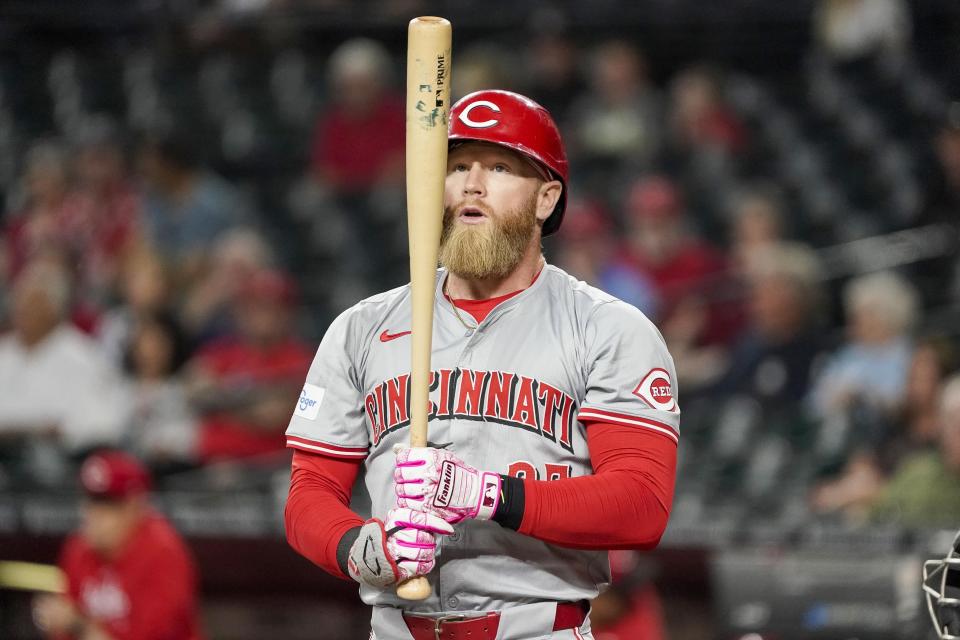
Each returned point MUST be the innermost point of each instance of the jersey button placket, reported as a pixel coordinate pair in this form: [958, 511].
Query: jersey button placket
[453, 602]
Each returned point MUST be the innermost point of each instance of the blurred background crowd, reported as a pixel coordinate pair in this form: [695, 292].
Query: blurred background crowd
[191, 191]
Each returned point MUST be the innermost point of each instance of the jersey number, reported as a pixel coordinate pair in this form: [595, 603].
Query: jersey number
[552, 471]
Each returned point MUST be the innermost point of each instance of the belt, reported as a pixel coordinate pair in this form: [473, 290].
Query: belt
[570, 615]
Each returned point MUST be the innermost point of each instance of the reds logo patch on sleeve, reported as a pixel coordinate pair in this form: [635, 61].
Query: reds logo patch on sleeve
[657, 391]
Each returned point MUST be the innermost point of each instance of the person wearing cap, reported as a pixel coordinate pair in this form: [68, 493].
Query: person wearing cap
[245, 383]
[129, 574]
[699, 311]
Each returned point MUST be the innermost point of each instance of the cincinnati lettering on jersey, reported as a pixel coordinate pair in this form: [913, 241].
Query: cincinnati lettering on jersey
[486, 396]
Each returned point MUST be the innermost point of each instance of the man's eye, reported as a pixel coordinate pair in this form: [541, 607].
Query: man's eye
[459, 167]
[501, 168]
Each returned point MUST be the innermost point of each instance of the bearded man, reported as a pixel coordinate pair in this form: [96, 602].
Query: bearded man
[554, 402]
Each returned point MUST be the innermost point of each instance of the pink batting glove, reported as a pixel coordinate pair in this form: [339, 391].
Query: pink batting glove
[386, 553]
[438, 481]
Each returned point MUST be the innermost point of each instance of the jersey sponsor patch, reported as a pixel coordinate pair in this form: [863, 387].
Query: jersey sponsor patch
[657, 391]
[308, 404]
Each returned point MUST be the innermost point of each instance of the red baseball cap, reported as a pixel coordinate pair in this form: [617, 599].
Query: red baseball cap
[655, 198]
[269, 285]
[585, 220]
[113, 475]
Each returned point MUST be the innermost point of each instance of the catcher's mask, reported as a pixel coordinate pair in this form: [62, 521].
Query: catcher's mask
[941, 585]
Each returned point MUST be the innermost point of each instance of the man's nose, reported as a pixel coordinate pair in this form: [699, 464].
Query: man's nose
[474, 185]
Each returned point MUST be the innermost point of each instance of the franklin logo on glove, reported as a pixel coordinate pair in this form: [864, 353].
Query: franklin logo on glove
[446, 485]
[437, 477]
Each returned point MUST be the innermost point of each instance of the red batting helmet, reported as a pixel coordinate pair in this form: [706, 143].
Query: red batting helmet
[516, 122]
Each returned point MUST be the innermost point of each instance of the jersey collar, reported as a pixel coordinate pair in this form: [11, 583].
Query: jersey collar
[501, 308]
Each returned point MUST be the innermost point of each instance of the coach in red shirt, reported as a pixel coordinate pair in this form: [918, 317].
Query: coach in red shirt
[129, 575]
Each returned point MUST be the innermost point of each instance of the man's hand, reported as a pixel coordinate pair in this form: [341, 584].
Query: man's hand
[55, 614]
[437, 481]
[403, 547]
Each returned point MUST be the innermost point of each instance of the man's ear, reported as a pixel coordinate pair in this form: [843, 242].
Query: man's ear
[547, 198]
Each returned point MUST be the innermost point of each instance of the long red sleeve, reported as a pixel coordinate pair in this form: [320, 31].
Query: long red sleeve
[625, 505]
[318, 513]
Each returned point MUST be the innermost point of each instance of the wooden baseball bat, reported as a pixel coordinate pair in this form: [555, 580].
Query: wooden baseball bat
[30, 576]
[428, 110]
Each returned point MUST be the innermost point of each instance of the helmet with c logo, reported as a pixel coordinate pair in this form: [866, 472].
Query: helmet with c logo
[514, 121]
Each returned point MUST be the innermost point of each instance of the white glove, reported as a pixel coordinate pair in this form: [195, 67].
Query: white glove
[437, 481]
[397, 550]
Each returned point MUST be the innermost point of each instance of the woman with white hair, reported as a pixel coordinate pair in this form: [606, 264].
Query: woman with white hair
[870, 371]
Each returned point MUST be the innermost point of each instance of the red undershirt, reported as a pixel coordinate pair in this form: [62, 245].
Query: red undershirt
[480, 309]
[624, 505]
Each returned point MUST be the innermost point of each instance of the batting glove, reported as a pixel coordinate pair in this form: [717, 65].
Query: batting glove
[404, 546]
[437, 481]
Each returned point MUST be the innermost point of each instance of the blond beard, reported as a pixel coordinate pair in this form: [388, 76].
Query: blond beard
[491, 250]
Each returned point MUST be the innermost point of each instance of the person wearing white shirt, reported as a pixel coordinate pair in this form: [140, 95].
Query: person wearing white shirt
[56, 385]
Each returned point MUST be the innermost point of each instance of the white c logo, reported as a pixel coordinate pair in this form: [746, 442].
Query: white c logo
[465, 114]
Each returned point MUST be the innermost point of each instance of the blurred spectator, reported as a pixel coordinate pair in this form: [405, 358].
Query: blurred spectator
[616, 125]
[187, 207]
[105, 226]
[586, 249]
[756, 222]
[236, 256]
[630, 609]
[941, 206]
[869, 372]
[48, 199]
[553, 74]
[483, 65]
[358, 141]
[145, 291]
[162, 428]
[57, 384]
[925, 489]
[775, 357]
[697, 314]
[698, 116]
[915, 430]
[943, 192]
[245, 385]
[848, 30]
[129, 574]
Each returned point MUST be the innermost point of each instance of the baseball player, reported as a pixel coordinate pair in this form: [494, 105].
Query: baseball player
[553, 415]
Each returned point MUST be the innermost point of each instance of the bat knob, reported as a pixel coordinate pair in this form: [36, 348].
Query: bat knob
[417, 588]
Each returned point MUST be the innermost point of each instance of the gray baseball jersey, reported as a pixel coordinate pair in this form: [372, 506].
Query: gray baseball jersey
[513, 396]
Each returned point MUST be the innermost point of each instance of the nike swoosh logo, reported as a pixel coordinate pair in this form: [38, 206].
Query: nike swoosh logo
[375, 570]
[387, 337]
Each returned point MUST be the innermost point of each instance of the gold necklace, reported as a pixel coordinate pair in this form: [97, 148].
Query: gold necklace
[446, 292]
[472, 327]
